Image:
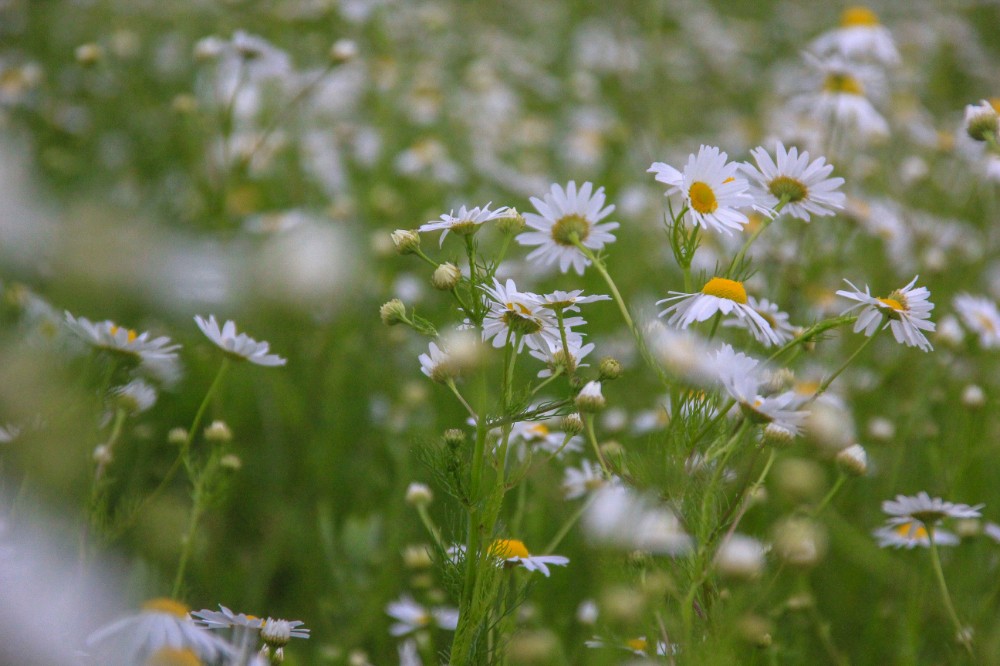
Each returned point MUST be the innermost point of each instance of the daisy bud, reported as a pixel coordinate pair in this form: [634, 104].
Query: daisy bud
[89, 54]
[740, 557]
[446, 276]
[418, 494]
[612, 450]
[799, 542]
[417, 556]
[177, 436]
[973, 396]
[967, 527]
[587, 612]
[103, 455]
[778, 436]
[590, 399]
[406, 241]
[511, 223]
[231, 462]
[981, 121]
[218, 432]
[343, 50]
[881, 429]
[853, 460]
[572, 423]
[392, 312]
[454, 438]
[610, 368]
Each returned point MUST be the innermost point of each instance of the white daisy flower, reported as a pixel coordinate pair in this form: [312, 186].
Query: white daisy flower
[907, 310]
[521, 315]
[137, 396]
[804, 186]
[922, 507]
[621, 518]
[843, 100]
[565, 215]
[241, 346]
[740, 376]
[556, 358]
[536, 435]
[639, 646]
[513, 553]
[570, 300]
[437, 364]
[8, 433]
[411, 616]
[162, 623]
[711, 189]
[578, 482]
[155, 355]
[772, 314]
[980, 316]
[683, 353]
[859, 36]
[718, 295]
[465, 223]
[910, 534]
[225, 619]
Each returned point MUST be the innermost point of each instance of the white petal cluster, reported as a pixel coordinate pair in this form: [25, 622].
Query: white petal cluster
[235, 345]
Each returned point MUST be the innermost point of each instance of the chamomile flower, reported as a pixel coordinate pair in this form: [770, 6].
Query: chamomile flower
[162, 623]
[437, 364]
[710, 188]
[859, 36]
[241, 346]
[513, 553]
[980, 315]
[639, 646]
[156, 355]
[907, 310]
[465, 223]
[718, 295]
[411, 616]
[556, 358]
[578, 482]
[570, 300]
[843, 99]
[911, 534]
[619, 517]
[275, 633]
[982, 121]
[772, 314]
[740, 377]
[804, 186]
[564, 217]
[225, 619]
[926, 509]
[535, 435]
[518, 315]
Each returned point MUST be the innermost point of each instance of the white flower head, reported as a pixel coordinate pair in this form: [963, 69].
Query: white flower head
[804, 186]
[137, 396]
[225, 619]
[578, 482]
[740, 376]
[465, 223]
[557, 358]
[859, 36]
[619, 517]
[718, 295]
[513, 553]
[437, 364]
[982, 121]
[980, 315]
[843, 98]
[564, 217]
[411, 616]
[240, 346]
[155, 355]
[521, 315]
[907, 310]
[772, 314]
[930, 511]
[570, 300]
[910, 534]
[536, 435]
[711, 189]
[277, 632]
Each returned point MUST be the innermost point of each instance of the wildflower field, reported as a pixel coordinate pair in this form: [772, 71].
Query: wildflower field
[382, 331]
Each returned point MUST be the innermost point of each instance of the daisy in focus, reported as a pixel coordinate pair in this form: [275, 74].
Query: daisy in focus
[567, 217]
[513, 553]
[906, 311]
[859, 36]
[804, 186]
[980, 315]
[710, 188]
[241, 347]
[465, 223]
[719, 295]
[520, 315]
[411, 616]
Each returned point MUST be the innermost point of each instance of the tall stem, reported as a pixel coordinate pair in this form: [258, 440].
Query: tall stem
[960, 631]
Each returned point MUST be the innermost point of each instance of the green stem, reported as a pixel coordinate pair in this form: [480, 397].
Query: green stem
[450, 383]
[568, 525]
[432, 529]
[829, 380]
[960, 632]
[811, 333]
[588, 420]
[830, 495]
[187, 541]
[760, 229]
[615, 294]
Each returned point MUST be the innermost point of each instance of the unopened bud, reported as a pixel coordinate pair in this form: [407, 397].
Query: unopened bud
[102, 454]
[454, 437]
[981, 121]
[231, 461]
[417, 556]
[610, 368]
[392, 312]
[778, 436]
[446, 276]
[853, 460]
[406, 241]
[219, 432]
[973, 396]
[740, 557]
[89, 54]
[177, 436]
[343, 50]
[799, 542]
[572, 423]
[418, 494]
[590, 398]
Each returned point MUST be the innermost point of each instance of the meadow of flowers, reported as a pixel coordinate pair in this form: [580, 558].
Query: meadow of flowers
[376, 332]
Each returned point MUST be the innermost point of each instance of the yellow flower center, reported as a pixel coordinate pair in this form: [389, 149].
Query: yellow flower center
[637, 644]
[892, 303]
[166, 605]
[570, 227]
[539, 430]
[464, 227]
[995, 103]
[519, 319]
[986, 323]
[839, 82]
[728, 289]
[789, 189]
[131, 335]
[912, 530]
[508, 548]
[173, 657]
[854, 16]
[702, 198]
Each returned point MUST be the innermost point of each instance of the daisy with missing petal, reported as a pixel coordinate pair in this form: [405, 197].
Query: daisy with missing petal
[911, 534]
[519, 315]
[241, 346]
[410, 616]
[804, 186]
[907, 310]
[773, 315]
[980, 315]
[465, 223]
[513, 553]
[711, 189]
[718, 295]
[565, 217]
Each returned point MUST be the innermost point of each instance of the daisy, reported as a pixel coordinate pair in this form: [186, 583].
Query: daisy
[911, 534]
[137, 396]
[555, 357]
[982, 121]
[770, 312]
[537, 435]
[718, 295]
[619, 517]
[907, 311]
[639, 646]
[465, 223]
[156, 355]
[241, 346]
[843, 99]
[578, 482]
[570, 300]
[860, 35]
[437, 364]
[565, 217]
[162, 623]
[277, 633]
[804, 186]
[981, 317]
[513, 553]
[925, 509]
[225, 619]
[519, 315]
[411, 616]
[740, 377]
[711, 189]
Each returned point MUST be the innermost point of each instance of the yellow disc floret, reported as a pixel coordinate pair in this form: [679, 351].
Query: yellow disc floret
[508, 548]
[173, 657]
[166, 605]
[569, 229]
[131, 334]
[702, 198]
[912, 530]
[855, 16]
[724, 288]
[839, 82]
[639, 644]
